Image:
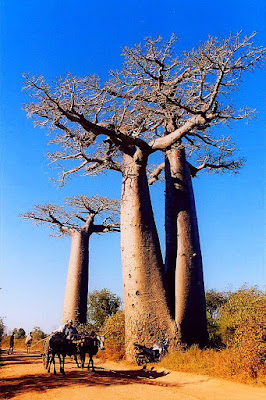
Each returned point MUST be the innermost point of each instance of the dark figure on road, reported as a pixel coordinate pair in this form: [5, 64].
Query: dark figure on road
[11, 344]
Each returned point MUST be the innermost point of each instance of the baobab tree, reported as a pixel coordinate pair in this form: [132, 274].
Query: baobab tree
[183, 260]
[77, 219]
[185, 90]
[156, 102]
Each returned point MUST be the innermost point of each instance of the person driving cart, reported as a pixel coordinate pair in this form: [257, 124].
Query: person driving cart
[69, 330]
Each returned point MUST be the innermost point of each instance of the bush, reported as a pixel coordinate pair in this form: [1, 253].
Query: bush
[214, 301]
[114, 332]
[222, 364]
[238, 320]
[243, 329]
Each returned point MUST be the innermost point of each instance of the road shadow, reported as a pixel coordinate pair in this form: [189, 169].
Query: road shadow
[21, 355]
[12, 359]
[43, 382]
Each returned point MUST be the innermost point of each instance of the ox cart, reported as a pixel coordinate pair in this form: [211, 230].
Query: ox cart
[58, 345]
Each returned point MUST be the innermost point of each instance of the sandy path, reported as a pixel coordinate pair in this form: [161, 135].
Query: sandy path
[24, 377]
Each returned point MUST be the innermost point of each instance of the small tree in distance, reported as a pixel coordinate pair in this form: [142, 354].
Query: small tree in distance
[19, 333]
[37, 333]
[101, 305]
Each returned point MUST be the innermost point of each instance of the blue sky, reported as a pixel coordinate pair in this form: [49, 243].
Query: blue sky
[54, 37]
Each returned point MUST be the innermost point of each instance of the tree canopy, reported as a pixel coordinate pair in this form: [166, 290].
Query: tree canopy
[19, 333]
[79, 211]
[157, 99]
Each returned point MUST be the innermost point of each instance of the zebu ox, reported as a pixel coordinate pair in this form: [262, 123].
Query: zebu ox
[60, 346]
[90, 344]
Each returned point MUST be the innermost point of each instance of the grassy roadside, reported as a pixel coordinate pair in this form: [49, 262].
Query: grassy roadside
[226, 364]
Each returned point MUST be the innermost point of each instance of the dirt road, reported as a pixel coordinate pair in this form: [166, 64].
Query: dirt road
[23, 377]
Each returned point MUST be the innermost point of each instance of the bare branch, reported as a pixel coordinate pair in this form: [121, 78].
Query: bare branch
[155, 174]
[233, 166]
[78, 213]
[155, 89]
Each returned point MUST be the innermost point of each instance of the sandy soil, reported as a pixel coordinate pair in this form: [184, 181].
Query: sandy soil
[23, 377]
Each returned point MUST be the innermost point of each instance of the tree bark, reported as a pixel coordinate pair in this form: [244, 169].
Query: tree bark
[76, 292]
[147, 313]
[183, 264]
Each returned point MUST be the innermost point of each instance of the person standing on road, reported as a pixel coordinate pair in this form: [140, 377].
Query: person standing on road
[11, 344]
[28, 341]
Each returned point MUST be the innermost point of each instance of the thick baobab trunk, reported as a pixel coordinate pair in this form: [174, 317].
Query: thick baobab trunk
[146, 308]
[183, 263]
[76, 292]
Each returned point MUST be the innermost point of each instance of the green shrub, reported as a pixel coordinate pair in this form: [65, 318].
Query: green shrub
[101, 305]
[214, 301]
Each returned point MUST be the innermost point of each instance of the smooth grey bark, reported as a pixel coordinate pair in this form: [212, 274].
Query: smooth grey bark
[147, 313]
[183, 264]
[76, 292]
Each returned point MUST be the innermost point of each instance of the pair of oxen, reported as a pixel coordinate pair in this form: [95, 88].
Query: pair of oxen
[58, 345]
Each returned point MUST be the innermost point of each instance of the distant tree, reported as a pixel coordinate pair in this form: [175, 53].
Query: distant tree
[77, 219]
[37, 333]
[19, 333]
[101, 305]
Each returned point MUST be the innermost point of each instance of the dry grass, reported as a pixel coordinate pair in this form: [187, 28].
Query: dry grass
[228, 364]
